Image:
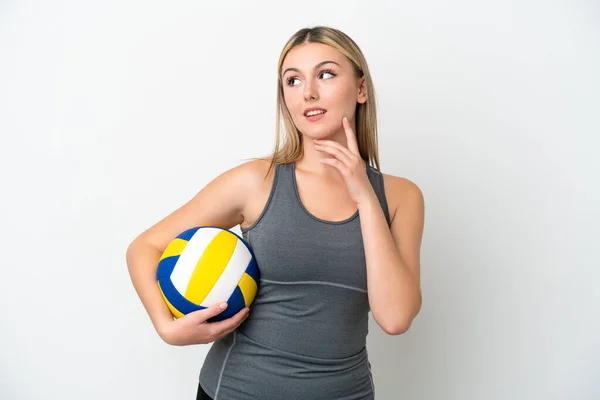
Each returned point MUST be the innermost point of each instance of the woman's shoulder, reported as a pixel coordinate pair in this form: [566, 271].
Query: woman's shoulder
[399, 183]
[255, 171]
[258, 175]
[400, 191]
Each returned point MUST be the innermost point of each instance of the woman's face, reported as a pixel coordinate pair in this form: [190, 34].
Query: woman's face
[315, 75]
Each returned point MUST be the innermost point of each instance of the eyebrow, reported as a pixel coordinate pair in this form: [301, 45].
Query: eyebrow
[319, 65]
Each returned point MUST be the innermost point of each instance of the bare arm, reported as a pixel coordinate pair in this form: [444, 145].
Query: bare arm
[393, 256]
[220, 203]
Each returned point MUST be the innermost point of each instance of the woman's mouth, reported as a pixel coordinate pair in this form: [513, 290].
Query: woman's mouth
[315, 115]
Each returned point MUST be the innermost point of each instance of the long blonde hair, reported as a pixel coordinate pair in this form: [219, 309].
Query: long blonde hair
[366, 114]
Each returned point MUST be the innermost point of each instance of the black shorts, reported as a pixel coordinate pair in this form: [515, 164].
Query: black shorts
[202, 395]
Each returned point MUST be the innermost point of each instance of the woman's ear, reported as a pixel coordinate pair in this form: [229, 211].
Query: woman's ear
[362, 91]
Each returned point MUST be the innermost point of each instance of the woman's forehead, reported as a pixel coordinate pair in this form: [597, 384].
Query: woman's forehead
[307, 55]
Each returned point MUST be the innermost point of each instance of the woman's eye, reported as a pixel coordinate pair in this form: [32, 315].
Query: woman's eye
[290, 81]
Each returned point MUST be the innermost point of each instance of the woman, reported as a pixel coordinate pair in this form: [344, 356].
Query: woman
[334, 238]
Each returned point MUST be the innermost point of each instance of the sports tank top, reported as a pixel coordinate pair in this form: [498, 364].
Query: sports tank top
[305, 337]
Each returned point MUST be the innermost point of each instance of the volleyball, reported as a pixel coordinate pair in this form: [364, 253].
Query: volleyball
[205, 265]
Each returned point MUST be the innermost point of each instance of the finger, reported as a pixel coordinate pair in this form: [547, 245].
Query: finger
[336, 152]
[207, 313]
[339, 146]
[350, 136]
[228, 331]
[230, 323]
[335, 163]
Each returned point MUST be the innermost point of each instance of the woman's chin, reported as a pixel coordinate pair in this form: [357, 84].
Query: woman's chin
[316, 133]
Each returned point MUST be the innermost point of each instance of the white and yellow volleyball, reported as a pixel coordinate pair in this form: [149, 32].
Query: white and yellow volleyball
[205, 265]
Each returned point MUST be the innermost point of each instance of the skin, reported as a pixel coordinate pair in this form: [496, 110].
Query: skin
[330, 172]
[307, 83]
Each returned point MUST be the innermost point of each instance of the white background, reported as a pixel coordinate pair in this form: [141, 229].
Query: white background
[114, 114]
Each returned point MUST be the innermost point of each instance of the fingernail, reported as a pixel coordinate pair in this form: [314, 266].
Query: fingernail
[223, 306]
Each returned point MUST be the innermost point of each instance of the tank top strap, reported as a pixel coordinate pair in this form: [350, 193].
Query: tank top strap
[285, 178]
[280, 197]
[376, 178]
[284, 189]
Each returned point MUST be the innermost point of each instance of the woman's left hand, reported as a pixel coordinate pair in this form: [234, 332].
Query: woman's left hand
[348, 162]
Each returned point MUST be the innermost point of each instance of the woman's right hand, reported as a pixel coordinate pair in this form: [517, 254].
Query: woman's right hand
[193, 328]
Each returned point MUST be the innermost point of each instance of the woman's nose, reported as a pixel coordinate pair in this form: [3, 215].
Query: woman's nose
[310, 91]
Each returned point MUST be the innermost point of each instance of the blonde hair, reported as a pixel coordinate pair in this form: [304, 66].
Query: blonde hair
[366, 114]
